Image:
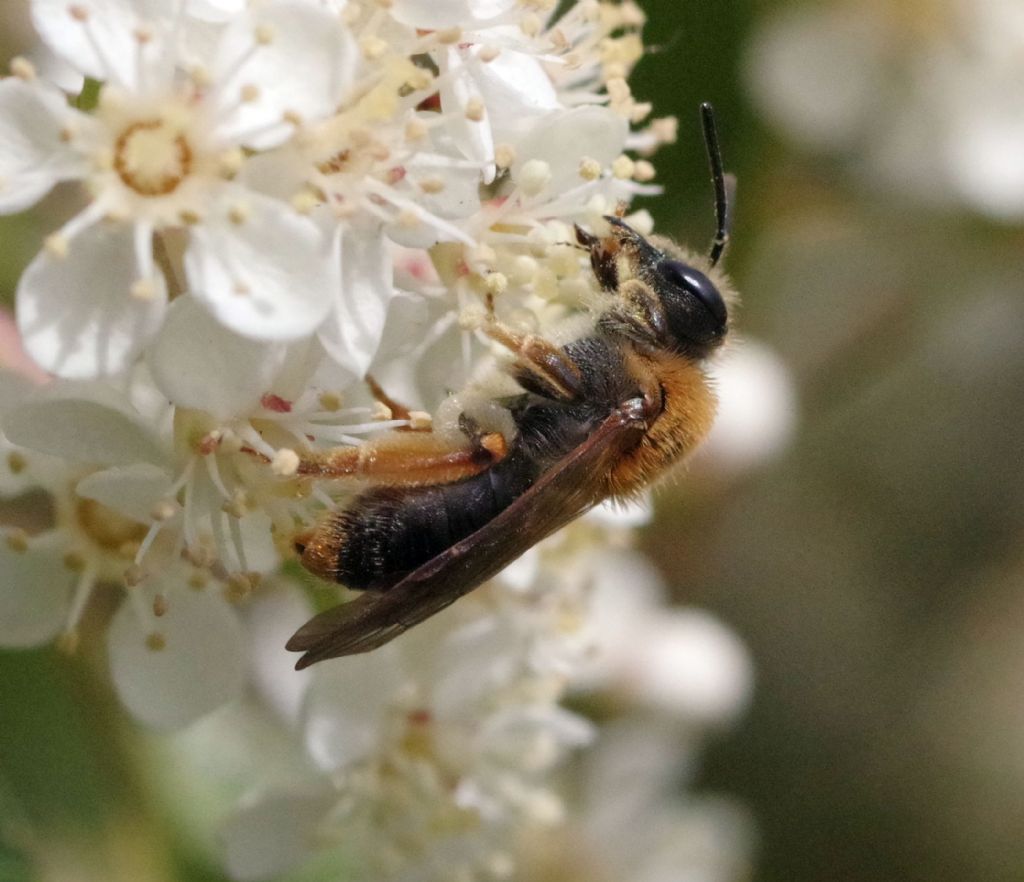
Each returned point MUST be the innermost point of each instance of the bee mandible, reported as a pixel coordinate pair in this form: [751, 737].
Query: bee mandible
[598, 418]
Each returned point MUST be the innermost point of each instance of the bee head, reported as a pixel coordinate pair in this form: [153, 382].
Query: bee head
[695, 311]
[667, 301]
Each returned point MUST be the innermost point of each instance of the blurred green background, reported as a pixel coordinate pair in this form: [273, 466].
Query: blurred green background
[874, 568]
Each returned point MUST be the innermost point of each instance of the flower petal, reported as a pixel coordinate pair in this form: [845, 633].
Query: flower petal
[35, 592]
[106, 430]
[515, 89]
[199, 663]
[270, 836]
[131, 490]
[97, 37]
[594, 132]
[345, 705]
[77, 313]
[473, 137]
[432, 14]
[36, 153]
[269, 278]
[354, 328]
[200, 364]
[300, 59]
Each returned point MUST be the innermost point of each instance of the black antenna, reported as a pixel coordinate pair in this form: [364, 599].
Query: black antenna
[722, 182]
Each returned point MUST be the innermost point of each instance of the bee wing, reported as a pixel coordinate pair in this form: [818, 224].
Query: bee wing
[567, 490]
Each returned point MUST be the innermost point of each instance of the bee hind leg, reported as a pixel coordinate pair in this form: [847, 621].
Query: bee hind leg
[398, 410]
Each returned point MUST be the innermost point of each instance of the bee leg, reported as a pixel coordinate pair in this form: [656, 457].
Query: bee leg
[398, 410]
[638, 315]
[409, 459]
[603, 260]
[541, 366]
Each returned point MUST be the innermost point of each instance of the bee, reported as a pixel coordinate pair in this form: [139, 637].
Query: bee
[599, 418]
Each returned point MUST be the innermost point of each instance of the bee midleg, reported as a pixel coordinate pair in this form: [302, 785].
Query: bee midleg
[541, 366]
[410, 459]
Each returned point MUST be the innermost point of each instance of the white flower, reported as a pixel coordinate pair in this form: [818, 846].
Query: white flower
[438, 746]
[160, 152]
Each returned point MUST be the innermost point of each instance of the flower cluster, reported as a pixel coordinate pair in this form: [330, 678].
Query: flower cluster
[272, 201]
[926, 99]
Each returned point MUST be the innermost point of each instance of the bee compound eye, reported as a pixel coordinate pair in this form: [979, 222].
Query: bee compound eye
[693, 282]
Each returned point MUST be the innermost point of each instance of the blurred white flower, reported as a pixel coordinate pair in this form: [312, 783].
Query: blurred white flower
[933, 105]
[632, 821]
[757, 408]
[437, 748]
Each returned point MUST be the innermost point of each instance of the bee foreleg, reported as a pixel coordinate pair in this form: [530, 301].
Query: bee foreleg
[638, 315]
[408, 459]
[603, 257]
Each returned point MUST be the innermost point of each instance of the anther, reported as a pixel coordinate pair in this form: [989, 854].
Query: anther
[504, 155]
[623, 167]
[143, 289]
[264, 34]
[285, 462]
[133, 576]
[22, 68]
[16, 462]
[249, 93]
[17, 540]
[160, 605]
[475, 109]
[57, 245]
[74, 561]
[590, 169]
[534, 176]
[155, 641]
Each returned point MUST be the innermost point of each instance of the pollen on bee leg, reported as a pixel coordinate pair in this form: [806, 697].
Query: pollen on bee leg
[420, 421]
